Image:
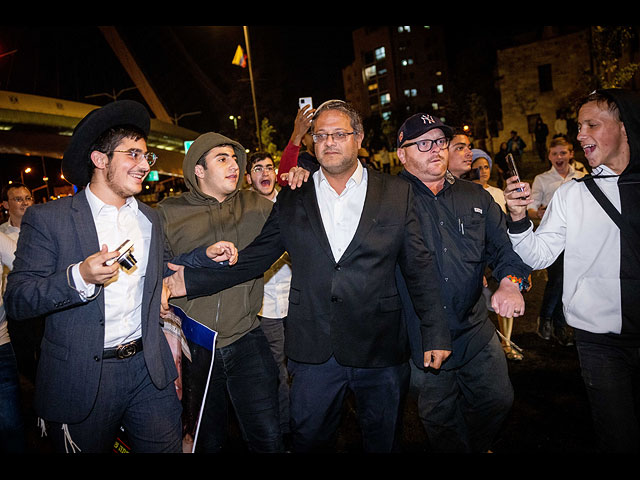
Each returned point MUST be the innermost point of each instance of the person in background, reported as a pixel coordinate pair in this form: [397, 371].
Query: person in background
[515, 145]
[292, 156]
[27, 334]
[541, 132]
[481, 165]
[460, 156]
[551, 321]
[261, 175]
[12, 437]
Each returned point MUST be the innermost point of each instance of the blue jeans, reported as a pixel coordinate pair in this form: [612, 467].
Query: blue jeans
[612, 379]
[317, 396]
[463, 409]
[247, 372]
[127, 397]
[273, 329]
[12, 438]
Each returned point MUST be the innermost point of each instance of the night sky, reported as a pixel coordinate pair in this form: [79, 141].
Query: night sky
[189, 67]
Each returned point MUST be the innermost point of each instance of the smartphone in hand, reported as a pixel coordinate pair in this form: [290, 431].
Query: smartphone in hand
[513, 170]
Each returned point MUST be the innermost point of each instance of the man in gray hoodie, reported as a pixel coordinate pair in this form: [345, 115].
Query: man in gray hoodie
[215, 209]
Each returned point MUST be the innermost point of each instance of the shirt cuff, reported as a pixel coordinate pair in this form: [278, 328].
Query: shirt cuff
[518, 226]
[84, 289]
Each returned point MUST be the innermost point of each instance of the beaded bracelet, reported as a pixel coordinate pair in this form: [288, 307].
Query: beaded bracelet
[517, 281]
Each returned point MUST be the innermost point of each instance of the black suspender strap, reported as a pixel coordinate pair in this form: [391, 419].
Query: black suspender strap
[604, 202]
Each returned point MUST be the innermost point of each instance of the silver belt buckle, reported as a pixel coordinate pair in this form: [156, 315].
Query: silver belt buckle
[126, 351]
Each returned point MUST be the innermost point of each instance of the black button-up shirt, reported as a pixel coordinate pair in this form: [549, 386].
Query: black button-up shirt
[465, 229]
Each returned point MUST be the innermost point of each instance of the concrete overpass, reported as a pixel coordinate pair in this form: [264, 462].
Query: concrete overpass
[41, 126]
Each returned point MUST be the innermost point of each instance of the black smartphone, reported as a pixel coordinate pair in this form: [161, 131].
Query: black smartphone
[513, 170]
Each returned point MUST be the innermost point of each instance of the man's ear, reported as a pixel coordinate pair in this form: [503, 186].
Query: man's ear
[199, 171]
[99, 159]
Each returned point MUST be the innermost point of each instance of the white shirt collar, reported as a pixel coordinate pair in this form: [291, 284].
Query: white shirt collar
[96, 205]
[355, 179]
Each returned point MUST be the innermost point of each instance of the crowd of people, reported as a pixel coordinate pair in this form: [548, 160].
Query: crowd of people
[324, 277]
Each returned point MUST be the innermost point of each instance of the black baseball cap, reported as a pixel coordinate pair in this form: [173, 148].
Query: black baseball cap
[421, 123]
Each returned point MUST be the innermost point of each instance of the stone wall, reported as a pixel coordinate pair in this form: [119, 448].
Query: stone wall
[567, 57]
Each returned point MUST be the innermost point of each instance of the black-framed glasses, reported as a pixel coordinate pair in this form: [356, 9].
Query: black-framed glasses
[426, 145]
[260, 169]
[150, 157]
[336, 137]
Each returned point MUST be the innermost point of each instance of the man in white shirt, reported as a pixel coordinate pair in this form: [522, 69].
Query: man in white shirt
[26, 336]
[551, 321]
[346, 231]
[261, 176]
[16, 198]
[12, 439]
[105, 363]
[595, 221]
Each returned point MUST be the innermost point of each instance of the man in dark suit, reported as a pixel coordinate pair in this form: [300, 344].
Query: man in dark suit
[345, 232]
[105, 362]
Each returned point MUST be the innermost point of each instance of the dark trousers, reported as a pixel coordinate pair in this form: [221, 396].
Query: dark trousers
[12, 438]
[126, 397]
[552, 297]
[317, 397]
[273, 329]
[247, 373]
[463, 409]
[612, 379]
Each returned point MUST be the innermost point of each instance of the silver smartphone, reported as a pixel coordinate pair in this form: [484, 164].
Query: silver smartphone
[304, 101]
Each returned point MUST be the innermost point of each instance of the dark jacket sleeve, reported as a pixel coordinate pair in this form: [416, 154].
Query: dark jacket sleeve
[253, 261]
[37, 286]
[501, 258]
[421, 280]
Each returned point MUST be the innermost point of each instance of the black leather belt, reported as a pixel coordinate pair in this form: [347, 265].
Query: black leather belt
[123, 351]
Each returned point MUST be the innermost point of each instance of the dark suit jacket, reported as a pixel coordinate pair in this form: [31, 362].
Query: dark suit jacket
[350, 308]
[53, 236]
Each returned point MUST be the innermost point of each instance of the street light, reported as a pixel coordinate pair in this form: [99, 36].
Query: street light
[26, 170]
[234, 120]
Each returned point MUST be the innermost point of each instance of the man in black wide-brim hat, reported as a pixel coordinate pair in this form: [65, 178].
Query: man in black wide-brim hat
[105, 362]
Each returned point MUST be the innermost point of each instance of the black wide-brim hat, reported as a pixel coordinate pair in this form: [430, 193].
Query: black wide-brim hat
[75, 161]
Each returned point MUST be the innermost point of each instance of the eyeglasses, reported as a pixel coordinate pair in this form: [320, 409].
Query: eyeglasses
[336, 137]
[426, 145]
[260, 169]
[150, 157]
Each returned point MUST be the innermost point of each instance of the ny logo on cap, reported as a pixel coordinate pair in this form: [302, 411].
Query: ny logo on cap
[427, 118]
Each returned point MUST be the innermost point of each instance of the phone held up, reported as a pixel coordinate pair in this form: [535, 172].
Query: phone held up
[513, 170]
[304, 101]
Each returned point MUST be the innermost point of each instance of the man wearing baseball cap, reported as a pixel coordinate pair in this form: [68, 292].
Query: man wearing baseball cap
[105, 362]
[464, 404]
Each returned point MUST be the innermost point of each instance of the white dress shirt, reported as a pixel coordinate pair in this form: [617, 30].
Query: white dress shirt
[277, 281]
[545, 185]
[341, 213]
[7, 255]
[123, 294]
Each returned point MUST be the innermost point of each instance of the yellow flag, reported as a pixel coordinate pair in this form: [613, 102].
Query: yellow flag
[240, 58]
